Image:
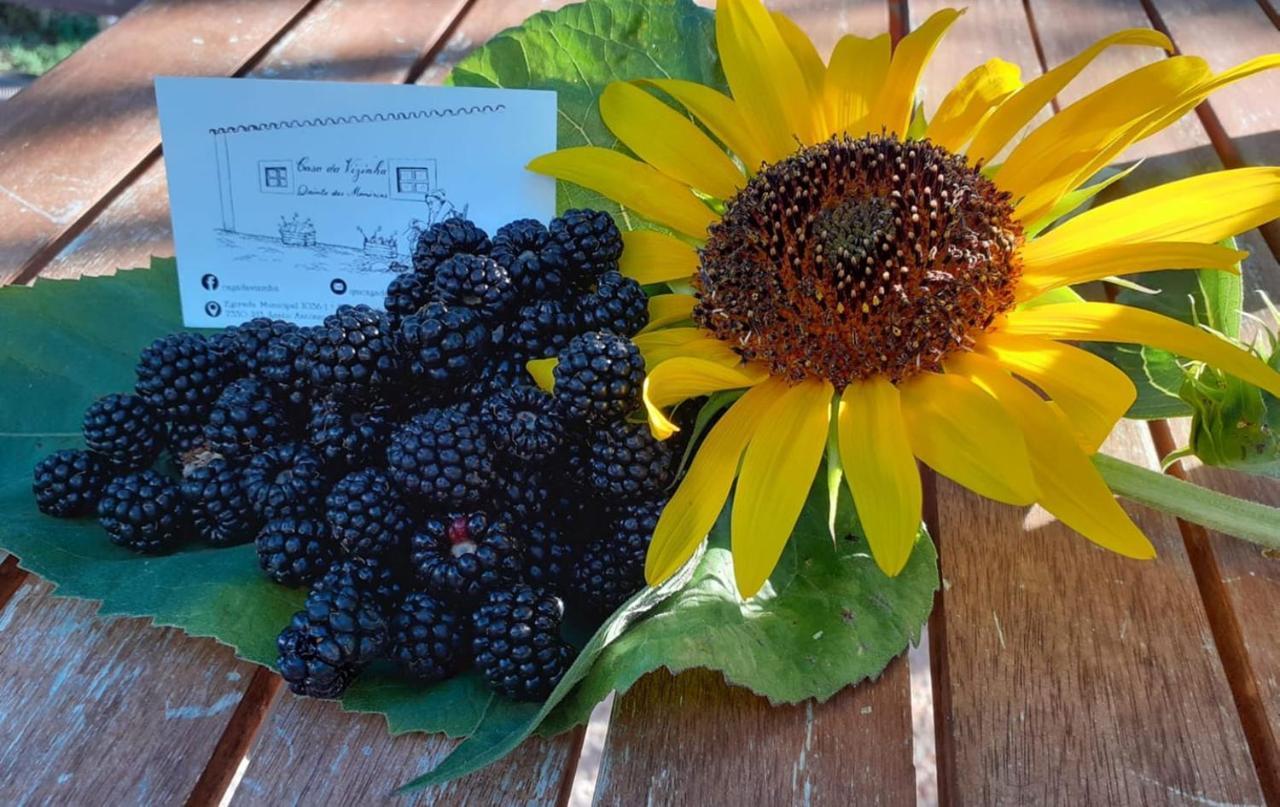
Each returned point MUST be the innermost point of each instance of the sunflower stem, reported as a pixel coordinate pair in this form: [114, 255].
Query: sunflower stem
[1250, 521]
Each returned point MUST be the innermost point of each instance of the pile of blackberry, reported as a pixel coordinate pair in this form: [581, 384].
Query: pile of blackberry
[443, 511]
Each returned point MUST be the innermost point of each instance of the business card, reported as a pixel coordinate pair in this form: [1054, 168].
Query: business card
[291, 198]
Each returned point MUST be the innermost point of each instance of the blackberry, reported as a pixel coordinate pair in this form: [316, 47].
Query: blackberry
[535, 263]
[354, 354]
[500, 372]
[444, 345]
[68, 483]
[476, 282]
[349, 436]
[442, 240]
[215, 498]
[225, 347]
[524, 423]
[618, 305]
[366, 515]
[548, 555]
[461, 556]
[285, 479]
[428, 639]
[245, 419]
[124, 429]
[185, 443]
[375, 579]
[285, 363]
[441, 457]
[516, 642]
[610, 568]
[599, 376]
[339, 631]
[142, 511]
[590, 240]
[406, 294]
[544, 328]
[181, 375]
[250, 339]
[295, 550]
[628, 463]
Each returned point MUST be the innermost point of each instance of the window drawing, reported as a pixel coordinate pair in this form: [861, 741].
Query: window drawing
[413, 179]
[273, 176]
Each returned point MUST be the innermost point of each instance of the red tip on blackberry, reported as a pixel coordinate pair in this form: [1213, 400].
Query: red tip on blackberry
[461, 556]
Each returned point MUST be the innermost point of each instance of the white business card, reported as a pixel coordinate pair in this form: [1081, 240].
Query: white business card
[291, 198]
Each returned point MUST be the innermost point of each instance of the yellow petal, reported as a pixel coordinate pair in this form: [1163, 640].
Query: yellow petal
[543, 372]
[809, 62]
[666, 309]
[652, 257]
[720, 115]
[681, 378]
[1203, 209]
[763, 75]
[658, 346]
[777, 472]
[629, 182]
[1123, 259]
[971, 101]
[668, 140]
[962, 433]
[875, 453]
[853, 81]
[698, 500]
[1070, 486]
[1018, 110]
[892, 109]
[1109, 322]
[1072, 201]
[1093, 393]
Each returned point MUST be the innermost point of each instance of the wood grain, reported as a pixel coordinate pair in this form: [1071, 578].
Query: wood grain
[85, 128]
[690, 740]
[105, 711]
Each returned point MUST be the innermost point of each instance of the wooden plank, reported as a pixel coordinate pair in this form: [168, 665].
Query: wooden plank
[379, 42]
[1068, 673]
[311, 752]
[105, 711]
[85, 128]
[690, 740]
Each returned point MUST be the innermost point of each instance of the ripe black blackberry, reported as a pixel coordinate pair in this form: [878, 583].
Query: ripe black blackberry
[618, 305]
[245, 419]
[347, 435]
[214, 496]
[225, 347]
[548, 554]
[461, 556]
[286, 479]
[610, 568]
[354, 355]
[441, 458]
[535, 263]
[284, 361]
[68, 483]
[591, 242]
[181, 375]
[544, 328]
[476, 282]
[142, 511]
[444, 345]
[442, 240]
[251, 338]
[505, 368]
[124, 429]
[378, 580]
[295, 550]
[367, 517]
[406, 293]
[429, 640]
[628, 463]
[599, 377]
[339, 631]
[185, 443]
[523, 423]
[516, 642]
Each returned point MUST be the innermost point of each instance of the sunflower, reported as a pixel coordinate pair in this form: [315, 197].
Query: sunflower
[897, 287]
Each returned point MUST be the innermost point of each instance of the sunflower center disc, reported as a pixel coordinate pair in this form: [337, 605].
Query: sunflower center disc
[857, 258]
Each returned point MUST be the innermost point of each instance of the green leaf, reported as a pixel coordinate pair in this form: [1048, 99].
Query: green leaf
[65, 343]
[579, 49]
[828, 618]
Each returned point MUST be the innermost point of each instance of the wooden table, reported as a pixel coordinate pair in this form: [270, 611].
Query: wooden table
[1060, 673]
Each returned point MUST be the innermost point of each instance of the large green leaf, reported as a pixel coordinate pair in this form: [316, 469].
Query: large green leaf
[579, 49]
